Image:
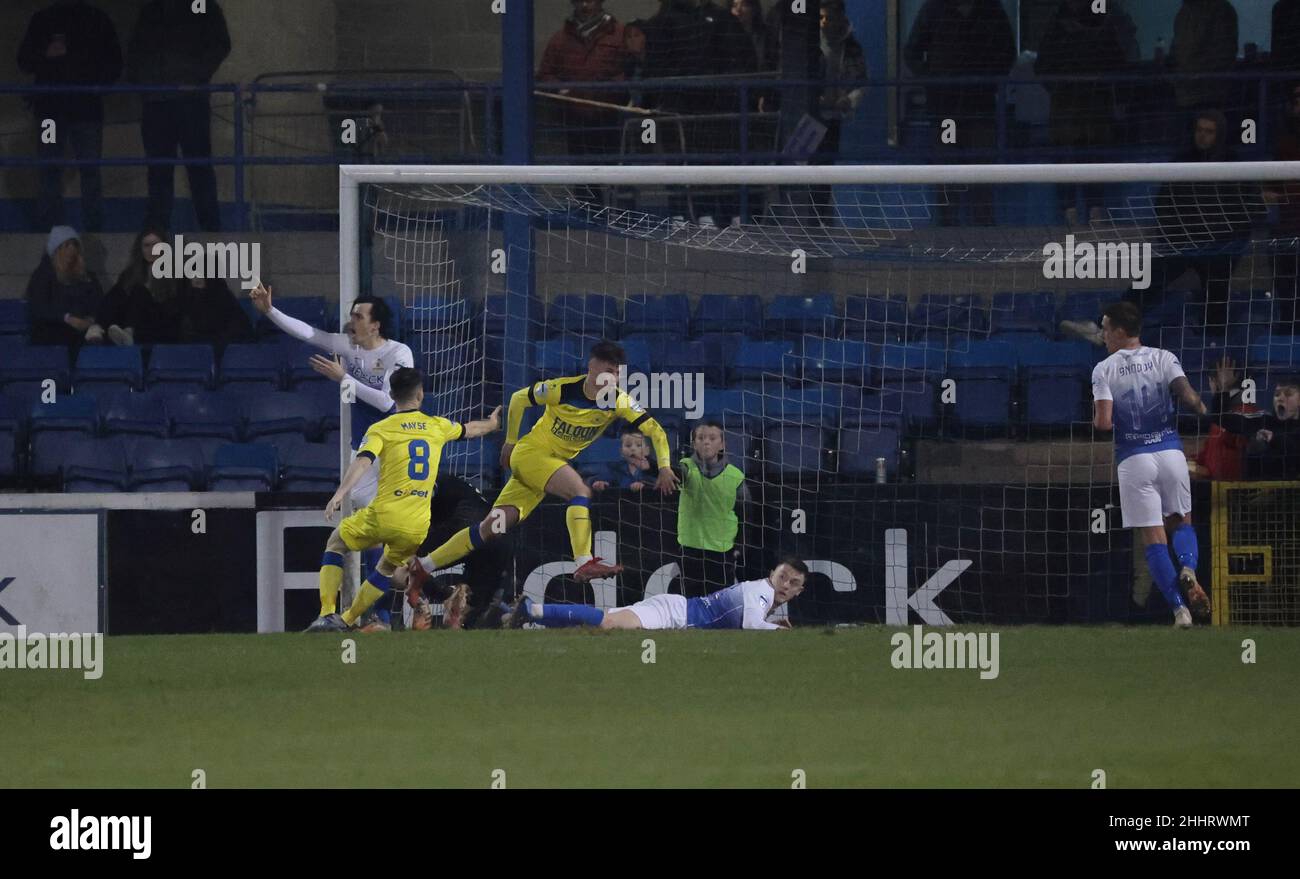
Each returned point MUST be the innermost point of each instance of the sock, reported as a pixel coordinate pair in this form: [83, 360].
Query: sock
[1162, 571]
[370, 560]
[1185, 546]
[571, 615]
[371, 591]
[578, 517]
[459, 545]
[331, 581]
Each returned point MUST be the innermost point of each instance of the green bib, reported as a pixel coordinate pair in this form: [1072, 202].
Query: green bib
[706, 514]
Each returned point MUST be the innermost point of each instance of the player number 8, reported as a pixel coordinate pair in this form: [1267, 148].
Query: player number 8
[418, 468]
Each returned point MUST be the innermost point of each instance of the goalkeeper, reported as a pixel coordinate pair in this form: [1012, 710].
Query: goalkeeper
[577, 410]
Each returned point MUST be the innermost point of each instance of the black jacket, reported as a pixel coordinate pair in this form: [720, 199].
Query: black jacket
[173, 46]
[94, 57]
[48, 301]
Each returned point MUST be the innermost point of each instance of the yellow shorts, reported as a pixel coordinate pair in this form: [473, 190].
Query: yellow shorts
[530, 470]
[364, 529]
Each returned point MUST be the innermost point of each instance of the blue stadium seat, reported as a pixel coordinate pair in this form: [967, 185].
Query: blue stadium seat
[282, 412]
[799, 315]
[753, 360]
[729, 314]
[309, 466]
[1078, 355]
[638, 357]
[1023, 312]
[909, 361]
[31, 365]
[556, 358]
[1276, 352]
[243, 363]
[14, 412]
[862, 444]
[984, 354]
[1085, 305]
[244, 467]
[494, 315]
[135, 413]
[835, 360]
[295, 361]
[50, 451]
[983, 398]
[324, 400]
[583, 315]
[190, 366]
[597, 457]
[10, 464]
[13, 321]
[308, 309]
[99, 465]
[668, 313]
[812, 404]
[791, 448]
[75, 413]
[434, 314]
[938, 317]
[476, 460]
[876, 318]
[1054, 398]
[166, 465]
[204, 414]
[113, 366]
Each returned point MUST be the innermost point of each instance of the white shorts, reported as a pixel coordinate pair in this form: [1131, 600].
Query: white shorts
[364, 491]
[1153, 485]
[659, 611]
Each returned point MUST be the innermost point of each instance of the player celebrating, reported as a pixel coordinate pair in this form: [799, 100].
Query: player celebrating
[364, 353]
[1130, 390]
[742, 606]
[578, 409]
[408, 445]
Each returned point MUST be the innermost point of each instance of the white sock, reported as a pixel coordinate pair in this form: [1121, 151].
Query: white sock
[427, 564]
[534, 610]
[582, 560]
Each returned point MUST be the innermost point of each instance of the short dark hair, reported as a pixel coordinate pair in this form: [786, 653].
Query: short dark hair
[710, 422]
[610, 352]
[833, 6]
[1124, 316]
[1288, 381]
[794, 562]
[379, 312]
[404, 382]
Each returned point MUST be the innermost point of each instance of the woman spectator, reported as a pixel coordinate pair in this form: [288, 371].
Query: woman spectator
[140, 307]
[62, 297]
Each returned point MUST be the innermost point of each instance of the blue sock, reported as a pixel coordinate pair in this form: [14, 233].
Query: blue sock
[571, 615]
[1162, 571]
[370, 560]
[1185, 546]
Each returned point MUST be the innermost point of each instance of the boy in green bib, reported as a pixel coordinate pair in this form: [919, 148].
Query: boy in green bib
[712, 492]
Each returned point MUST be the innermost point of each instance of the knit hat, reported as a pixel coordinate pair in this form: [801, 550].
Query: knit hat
[59, 236]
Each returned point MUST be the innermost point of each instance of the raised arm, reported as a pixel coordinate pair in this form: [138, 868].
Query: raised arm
[484, 426]
[336, 343]
[1184, 391]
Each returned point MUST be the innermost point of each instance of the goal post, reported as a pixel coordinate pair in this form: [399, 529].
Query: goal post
[898, 357]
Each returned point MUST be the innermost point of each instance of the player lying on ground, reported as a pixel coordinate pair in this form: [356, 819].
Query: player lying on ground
[1131, 394]
[578, 410]
[742, 606]
[408, 445]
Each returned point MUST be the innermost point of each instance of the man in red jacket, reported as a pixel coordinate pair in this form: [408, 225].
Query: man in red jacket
[592, 46]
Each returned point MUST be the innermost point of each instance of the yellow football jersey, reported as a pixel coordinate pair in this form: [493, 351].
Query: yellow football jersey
[409, 448]
[571, 422]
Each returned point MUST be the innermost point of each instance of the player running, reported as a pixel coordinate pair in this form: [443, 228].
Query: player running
[742, 606]
[1130, 390]
[408, 445]
[364, 353]
[578, 410]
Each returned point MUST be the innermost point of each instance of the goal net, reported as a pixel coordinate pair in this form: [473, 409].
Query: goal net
[897, 359]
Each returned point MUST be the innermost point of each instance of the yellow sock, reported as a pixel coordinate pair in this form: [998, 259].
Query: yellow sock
[455, 549]
[331, 581]
[578, 518]
[369, 594]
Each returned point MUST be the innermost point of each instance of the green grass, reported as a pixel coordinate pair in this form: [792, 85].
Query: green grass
[1153, 707]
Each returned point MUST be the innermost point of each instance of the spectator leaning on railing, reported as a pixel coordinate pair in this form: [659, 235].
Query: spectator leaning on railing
[62, 296]
[1273, 447]
[70, 43]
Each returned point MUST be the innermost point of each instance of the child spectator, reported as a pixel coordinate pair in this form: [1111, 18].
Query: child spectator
[1223, 454]
[635, 472]
[62, 297]
[1273, 447]
[707, 523]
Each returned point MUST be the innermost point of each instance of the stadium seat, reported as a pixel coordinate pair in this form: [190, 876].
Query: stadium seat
[1276, 352]
[29, 366]
[324, 400]
[1023, 313]
[985, 374]
[309, 466]
[799, 315]
[597, 457]
[791, 448]
[556, 358]
[1054, 398]
[100, 465]
[729, 314]
[135, 413]
[753, 360]
[1085, 305]
[811, 404]
[940, 317]
[166, 465]
[204, 414]
[876, 318]
[108, 365]
[1079, 355]
[243, 363]
[188, 366]
[308, 309]
[283, 412]
[835, 360]
[76, 413]
[860, 445]
[10, 464]
[575, 314]
[436, 314]
[477, 460]
[494, 315]
[909, 361]
[638, 357]
[244, 467]
[51, 450]
[295, 361]
[668, 314]
[13, 322]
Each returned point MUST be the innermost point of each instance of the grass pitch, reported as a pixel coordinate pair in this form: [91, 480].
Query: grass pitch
[1153, 707]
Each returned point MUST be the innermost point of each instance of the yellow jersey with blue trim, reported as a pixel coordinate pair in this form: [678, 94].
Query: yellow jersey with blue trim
[571, 420]
[408, 446]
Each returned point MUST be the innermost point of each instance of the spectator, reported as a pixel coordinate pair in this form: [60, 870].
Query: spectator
[1205, 42]
[695, 38]
[1081, 43]
[1223, 454]
[592, 46]
[70, 43]
[713, 489]
[142, 308]
[210, 314]
[634, 473]
[842, 59]
[1284, 52]
[62, 297]
[173, 45]
[1273, 448]
[963, 38]
[764, 45]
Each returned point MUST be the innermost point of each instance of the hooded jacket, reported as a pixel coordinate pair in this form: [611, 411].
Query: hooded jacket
[93, 57]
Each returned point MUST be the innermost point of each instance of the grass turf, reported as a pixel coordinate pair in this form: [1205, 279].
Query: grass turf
[1153, 707]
